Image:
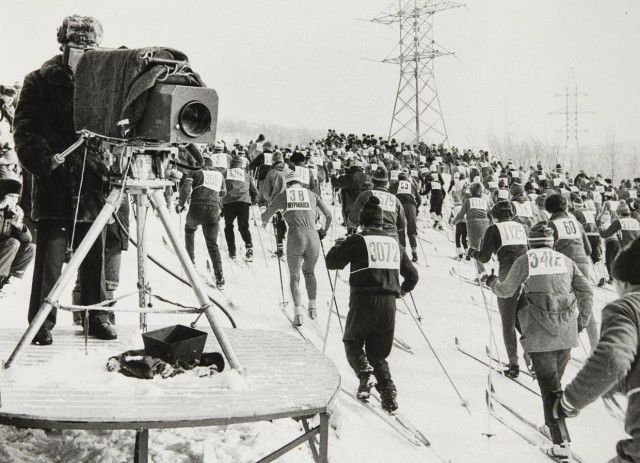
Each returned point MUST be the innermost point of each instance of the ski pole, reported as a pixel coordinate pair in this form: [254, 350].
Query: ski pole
[333, 286]
[264, 255]
[333, 298]
[275, 231]
[486, 308]
[416, 307]
[489, 374]
[464, 402]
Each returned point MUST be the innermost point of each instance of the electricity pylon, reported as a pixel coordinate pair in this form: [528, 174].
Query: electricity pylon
[416, 112]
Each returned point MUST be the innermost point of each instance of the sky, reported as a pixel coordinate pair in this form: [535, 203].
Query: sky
[303, 63]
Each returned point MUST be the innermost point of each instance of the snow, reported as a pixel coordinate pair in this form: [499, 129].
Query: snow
[449, 308]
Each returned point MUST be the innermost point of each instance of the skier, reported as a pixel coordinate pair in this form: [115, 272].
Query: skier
[553, 286]
[434, 184]
[376, 261]
[587, 219]
[299, 206]
[241, 194]
[407, 192]
[350, 186]
[204, 189]
[273, 184]
[508, 240]
[627, 227]
[614, 366]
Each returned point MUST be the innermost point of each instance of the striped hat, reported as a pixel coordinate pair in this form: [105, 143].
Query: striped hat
[541, 235]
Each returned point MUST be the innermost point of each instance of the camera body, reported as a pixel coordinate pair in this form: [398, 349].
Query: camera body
[10, 212]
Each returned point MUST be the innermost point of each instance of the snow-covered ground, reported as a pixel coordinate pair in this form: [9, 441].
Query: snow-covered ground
[450, 308]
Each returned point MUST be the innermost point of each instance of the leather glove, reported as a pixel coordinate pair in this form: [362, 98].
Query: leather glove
[471, 253]
[322, 233]
[179, 208]
[491, 280]
[560, 407]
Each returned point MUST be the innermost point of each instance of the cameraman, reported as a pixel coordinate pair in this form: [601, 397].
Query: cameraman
[16, 249]
[67, 193]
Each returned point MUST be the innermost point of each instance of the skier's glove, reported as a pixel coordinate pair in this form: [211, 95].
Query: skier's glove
[560, 406]
[491, 280]
[322, 233]
[580, 325]
[472, 253]
[179, 208]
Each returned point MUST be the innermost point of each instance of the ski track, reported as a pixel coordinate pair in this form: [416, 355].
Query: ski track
[425, 396]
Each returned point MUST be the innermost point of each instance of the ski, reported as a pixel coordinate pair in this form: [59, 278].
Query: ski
[392, 420]
[504, 365]
[495, 368]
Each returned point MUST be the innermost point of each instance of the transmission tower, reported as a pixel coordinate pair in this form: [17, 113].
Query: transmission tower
[571, 112]
[416, 112]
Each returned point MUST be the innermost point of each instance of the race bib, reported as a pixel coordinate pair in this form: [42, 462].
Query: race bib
[219, 160]
[503, 194]
[212, 179]
[633, 194]
[414, 173]
[387, 200]
[424, 170]
[477, 203]
[456, 210]
[629, 224]
[523, 209]
[589, 217]
[556, 182]
[436, 186]
[512, 233]
[599, 188]
[568, 229]
[394, 174]
[546, 262]
[319, 160]
[388, 156]
[404, 187]
[268, 159]
[259, 147]
[304, 174]
[236, 174]
[590, 204]
[423, 158]
[439, 159]
[298, 199]
[541, 177]
[515, 174]
[383, 252]
[337, 164]
[492, 185]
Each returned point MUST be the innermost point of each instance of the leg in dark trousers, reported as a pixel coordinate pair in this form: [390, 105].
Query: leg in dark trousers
[549, 368]
[190, 227]
[91, 274]
[243, 223]
[611, 251]
[230, 214]
[461, 235]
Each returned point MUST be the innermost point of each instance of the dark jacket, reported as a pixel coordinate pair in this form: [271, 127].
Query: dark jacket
[9, 230]
[515, 236]
[43, 126]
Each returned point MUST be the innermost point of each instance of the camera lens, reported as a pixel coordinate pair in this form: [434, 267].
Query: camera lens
[195, 119]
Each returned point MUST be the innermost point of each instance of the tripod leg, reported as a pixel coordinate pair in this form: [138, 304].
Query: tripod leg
[141, 218]
[69, 273]
[157, 201]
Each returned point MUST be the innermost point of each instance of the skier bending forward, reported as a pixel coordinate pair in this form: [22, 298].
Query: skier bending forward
[377, 261]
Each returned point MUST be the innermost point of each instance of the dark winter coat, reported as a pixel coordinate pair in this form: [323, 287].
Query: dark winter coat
[205, 187]
[351, 185]
[393, 219]
[9, 230]
[515, 236]
[43, 126]
[570, 238]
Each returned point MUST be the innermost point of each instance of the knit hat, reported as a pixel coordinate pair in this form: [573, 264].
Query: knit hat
[83, 30]
[476, 189]
[297, 157]
[626, 267]
[380, 177]
[578, 202]
[9, 186]
[371, 213]
[541, 235]
[555, 203]
[516, 189]
[503, 210]
[623, 209]
[267, 146]
[277, 157]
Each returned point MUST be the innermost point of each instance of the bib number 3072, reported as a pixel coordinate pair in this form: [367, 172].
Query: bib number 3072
[383, 252]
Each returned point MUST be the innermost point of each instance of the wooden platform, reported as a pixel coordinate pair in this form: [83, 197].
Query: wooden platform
[284, 377]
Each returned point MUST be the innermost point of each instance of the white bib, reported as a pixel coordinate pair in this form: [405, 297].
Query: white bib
[477, 203]
[268, 159]
[404, 187]
[387, 200]
[589, 217]
[414, 173]
[546, 261]
[383, 252]
[424, 170]
[523, 209]
[633, 194]
[629, 224]
[512, 233]
[304, 174]
[503, 194]
[599, 188]
[373, 167]
[438, 158]
[319, 160]
[212, 180]
[236, 174]
[219, 160]
[492, 184]
[337, 164]
[422, 158]
[436, 186]
[394, 174]
[590, 204]
[298, 199]
[568, 228]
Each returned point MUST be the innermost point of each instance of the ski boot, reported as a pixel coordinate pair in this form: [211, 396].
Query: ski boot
[513, 371]
[220, 282]
[560, 452]
[313, 312]
[601, 282]
[232, 255]
[298, 316]
[364, 389]
[610, 281]
[460, 252]
[248, 256]
[414, 256]
[388, 400]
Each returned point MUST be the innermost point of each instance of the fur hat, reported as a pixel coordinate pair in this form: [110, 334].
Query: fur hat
[267, 146]
[371, 213]
[297, 157]
[626, 267]
[476, 189]
[9, 186]
[555, 203]
[83, 30]
[623, 209]
[503, 210]
[380, 177]
[516, 189]
[541, 235]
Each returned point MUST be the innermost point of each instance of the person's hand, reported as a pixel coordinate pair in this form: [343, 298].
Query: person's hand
[491, 280]
[580, 325]
[471, 253]
[560, 406]
[56, 160]
[322, 233]
[179, 208]
[16, 220]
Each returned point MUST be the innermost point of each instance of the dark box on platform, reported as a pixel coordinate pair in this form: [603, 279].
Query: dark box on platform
[175, 343]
